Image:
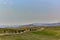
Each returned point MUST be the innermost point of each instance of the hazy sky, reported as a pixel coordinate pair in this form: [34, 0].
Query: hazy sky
[29, 11]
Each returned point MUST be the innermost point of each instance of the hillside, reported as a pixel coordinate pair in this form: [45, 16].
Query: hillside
[36, 33]
[28, 36]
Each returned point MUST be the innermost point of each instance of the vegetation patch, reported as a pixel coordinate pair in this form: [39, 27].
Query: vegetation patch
[46, 32]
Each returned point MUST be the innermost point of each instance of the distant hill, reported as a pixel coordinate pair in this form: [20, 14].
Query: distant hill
[9, 26]
[45, 24]
[30, 25]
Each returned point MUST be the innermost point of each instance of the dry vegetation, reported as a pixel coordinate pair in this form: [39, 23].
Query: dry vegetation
[35, 33]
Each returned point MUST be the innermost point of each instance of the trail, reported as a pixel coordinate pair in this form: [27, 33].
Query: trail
[8, 34]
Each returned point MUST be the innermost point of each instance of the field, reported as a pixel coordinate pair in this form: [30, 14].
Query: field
[50, 33]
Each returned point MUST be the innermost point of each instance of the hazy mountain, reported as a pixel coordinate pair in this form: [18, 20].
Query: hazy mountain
[30, 25]
[9, 26]
[45, 24]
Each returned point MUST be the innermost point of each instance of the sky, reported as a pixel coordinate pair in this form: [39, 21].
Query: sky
[29, 11]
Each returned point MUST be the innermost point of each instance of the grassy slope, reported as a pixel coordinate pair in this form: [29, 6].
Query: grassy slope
[46, 34]
[28, 36]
